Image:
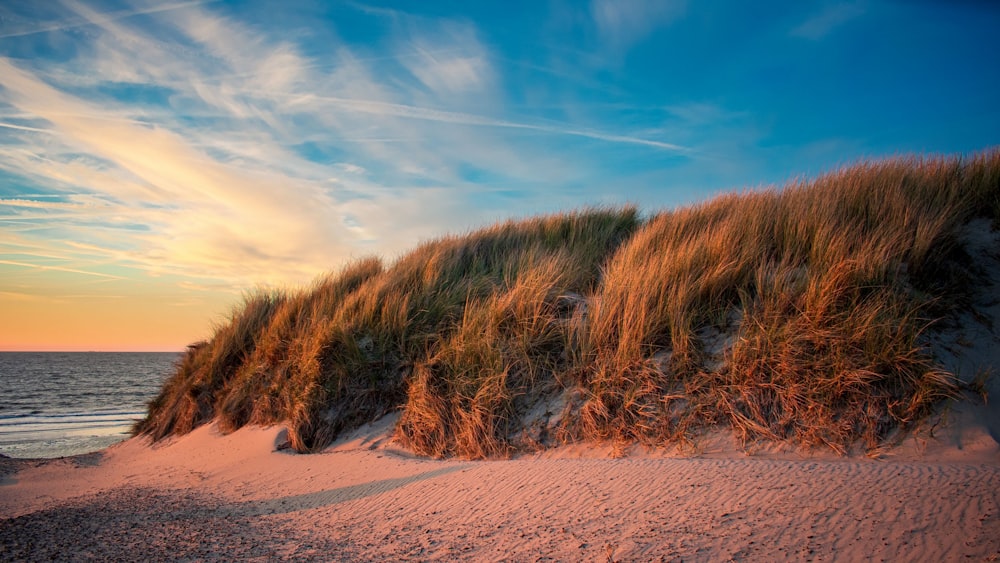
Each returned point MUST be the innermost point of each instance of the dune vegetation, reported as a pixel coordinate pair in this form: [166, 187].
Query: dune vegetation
[792, 314]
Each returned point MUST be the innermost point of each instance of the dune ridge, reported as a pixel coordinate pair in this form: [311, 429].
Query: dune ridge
[801, 315]
[929, 490]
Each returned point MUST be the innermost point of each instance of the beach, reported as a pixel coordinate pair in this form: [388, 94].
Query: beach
[929, 492]
[244, 496]
[615, 280]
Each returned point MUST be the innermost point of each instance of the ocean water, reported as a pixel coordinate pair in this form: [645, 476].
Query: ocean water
[55, 404]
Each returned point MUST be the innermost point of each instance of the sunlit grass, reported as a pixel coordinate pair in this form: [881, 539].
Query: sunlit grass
[791, 314]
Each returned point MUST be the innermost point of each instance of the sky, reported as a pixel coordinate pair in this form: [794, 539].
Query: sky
[158, 159]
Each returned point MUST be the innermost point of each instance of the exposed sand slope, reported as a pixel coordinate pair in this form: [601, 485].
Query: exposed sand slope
[970, 348]
[229, 497]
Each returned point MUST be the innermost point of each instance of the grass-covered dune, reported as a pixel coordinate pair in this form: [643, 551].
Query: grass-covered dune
[794, 314]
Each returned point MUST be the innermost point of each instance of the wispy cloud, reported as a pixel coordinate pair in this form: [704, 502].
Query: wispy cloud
[821, 24]
[21, 296]
[458, 118]
[622, 23]
[36, 204]
[23, 128]
[105, 17]
[57, 269]
[449, 61]
[189, 144]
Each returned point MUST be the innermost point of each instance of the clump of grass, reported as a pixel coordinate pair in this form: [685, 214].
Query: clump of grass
[828, 360]
[464, 396]
[188, 398]
[269, 383]
[792, 314]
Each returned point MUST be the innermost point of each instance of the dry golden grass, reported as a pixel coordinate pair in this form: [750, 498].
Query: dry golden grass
[207, 369]
[792, 314]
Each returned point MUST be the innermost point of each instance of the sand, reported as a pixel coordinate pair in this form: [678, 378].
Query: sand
[206, 496]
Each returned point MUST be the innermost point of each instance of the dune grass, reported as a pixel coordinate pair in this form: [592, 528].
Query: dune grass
[792, 314]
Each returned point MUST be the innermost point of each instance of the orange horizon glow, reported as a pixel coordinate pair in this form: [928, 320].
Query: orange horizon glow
[152, 319]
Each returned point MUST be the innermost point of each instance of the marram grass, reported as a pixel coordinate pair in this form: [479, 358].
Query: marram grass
[791, 314]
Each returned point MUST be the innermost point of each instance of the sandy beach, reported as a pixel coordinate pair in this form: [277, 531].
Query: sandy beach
[603, 281]
[208, 496]
[932, 495]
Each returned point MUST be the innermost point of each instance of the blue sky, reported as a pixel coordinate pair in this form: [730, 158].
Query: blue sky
[157, 158]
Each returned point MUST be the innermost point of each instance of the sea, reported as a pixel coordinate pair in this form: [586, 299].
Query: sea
[55, 404]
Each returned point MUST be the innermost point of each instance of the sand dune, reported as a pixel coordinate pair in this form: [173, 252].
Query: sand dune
[933, 496]
[209, 496]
